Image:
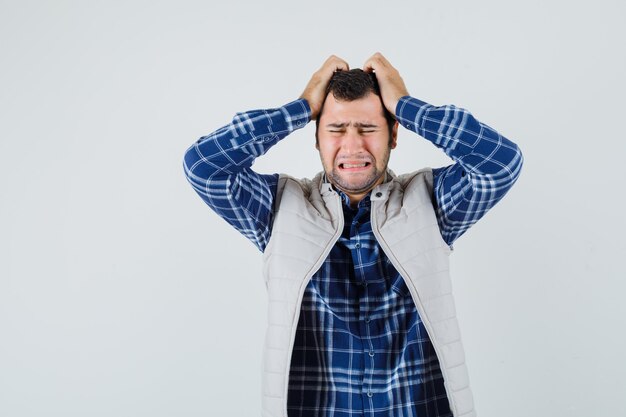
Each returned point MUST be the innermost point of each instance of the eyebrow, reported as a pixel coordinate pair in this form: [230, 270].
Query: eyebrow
[355, 124]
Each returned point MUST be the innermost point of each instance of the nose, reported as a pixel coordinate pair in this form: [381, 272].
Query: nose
[352, 142]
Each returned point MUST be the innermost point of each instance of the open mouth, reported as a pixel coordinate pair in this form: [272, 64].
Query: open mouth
[354, 166]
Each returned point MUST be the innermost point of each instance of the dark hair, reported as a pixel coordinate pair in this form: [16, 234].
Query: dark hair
[353, 85]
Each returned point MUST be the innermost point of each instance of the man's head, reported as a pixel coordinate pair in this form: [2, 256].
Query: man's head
[355, 133]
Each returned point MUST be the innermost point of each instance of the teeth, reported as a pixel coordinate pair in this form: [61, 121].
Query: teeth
[354, 165]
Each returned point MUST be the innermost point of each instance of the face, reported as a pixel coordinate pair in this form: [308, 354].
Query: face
[355, 144]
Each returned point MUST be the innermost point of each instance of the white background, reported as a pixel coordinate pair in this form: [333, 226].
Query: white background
[122, 294]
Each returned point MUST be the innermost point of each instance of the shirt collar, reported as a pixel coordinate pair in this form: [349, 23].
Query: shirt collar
[326, 186]
[364, 203]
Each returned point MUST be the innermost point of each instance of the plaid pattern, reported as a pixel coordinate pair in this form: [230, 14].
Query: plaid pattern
[360, 347]
[487, 164]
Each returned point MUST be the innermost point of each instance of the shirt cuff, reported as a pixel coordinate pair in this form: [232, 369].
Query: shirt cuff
[409, 112]
[297, 114]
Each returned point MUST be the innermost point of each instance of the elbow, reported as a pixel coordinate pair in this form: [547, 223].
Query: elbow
[504, 170]
[512, 170]
[511, 160]
[196, 167]
[201, 169]
[190, 160]
[516, 163]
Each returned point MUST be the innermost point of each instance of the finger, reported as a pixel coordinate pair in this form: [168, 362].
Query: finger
[327, 72]
[371, 63]
[342, 67]
[376, 62]
[338, 64]
[334, 60]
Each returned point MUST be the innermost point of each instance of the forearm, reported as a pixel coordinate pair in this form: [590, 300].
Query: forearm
[486, 163]
[477, 147]
[234, 147]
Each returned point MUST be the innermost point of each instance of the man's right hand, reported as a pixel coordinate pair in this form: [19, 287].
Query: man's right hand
[315, 91]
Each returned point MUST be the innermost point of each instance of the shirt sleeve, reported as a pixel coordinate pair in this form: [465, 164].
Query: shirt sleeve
[486, 163]
[218, 167]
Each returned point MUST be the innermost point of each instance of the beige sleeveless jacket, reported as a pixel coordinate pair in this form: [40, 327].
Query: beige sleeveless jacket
[308, 220]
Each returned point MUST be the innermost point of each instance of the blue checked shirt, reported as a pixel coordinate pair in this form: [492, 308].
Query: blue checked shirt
[361, 348]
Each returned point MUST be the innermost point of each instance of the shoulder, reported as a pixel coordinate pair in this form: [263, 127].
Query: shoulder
[409, 191]
[298, 187]
[306, 198]
[416, 179]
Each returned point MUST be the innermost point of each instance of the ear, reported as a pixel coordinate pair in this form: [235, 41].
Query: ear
[394, 136]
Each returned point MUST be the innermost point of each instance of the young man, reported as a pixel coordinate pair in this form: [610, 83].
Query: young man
[361, 316]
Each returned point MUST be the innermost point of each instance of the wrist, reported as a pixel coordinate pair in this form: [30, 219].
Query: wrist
[313, 109]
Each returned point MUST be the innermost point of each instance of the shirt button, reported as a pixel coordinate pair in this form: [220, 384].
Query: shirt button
[371, 353]
[358, 245]
[367, 319]
[369, 394]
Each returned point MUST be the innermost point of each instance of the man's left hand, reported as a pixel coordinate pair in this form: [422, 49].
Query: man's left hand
[392, 86]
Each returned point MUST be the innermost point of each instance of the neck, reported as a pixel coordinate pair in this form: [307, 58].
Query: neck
[355, 199]
[357, 195]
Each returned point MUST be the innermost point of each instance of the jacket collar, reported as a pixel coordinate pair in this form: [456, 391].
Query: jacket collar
[325, 187]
